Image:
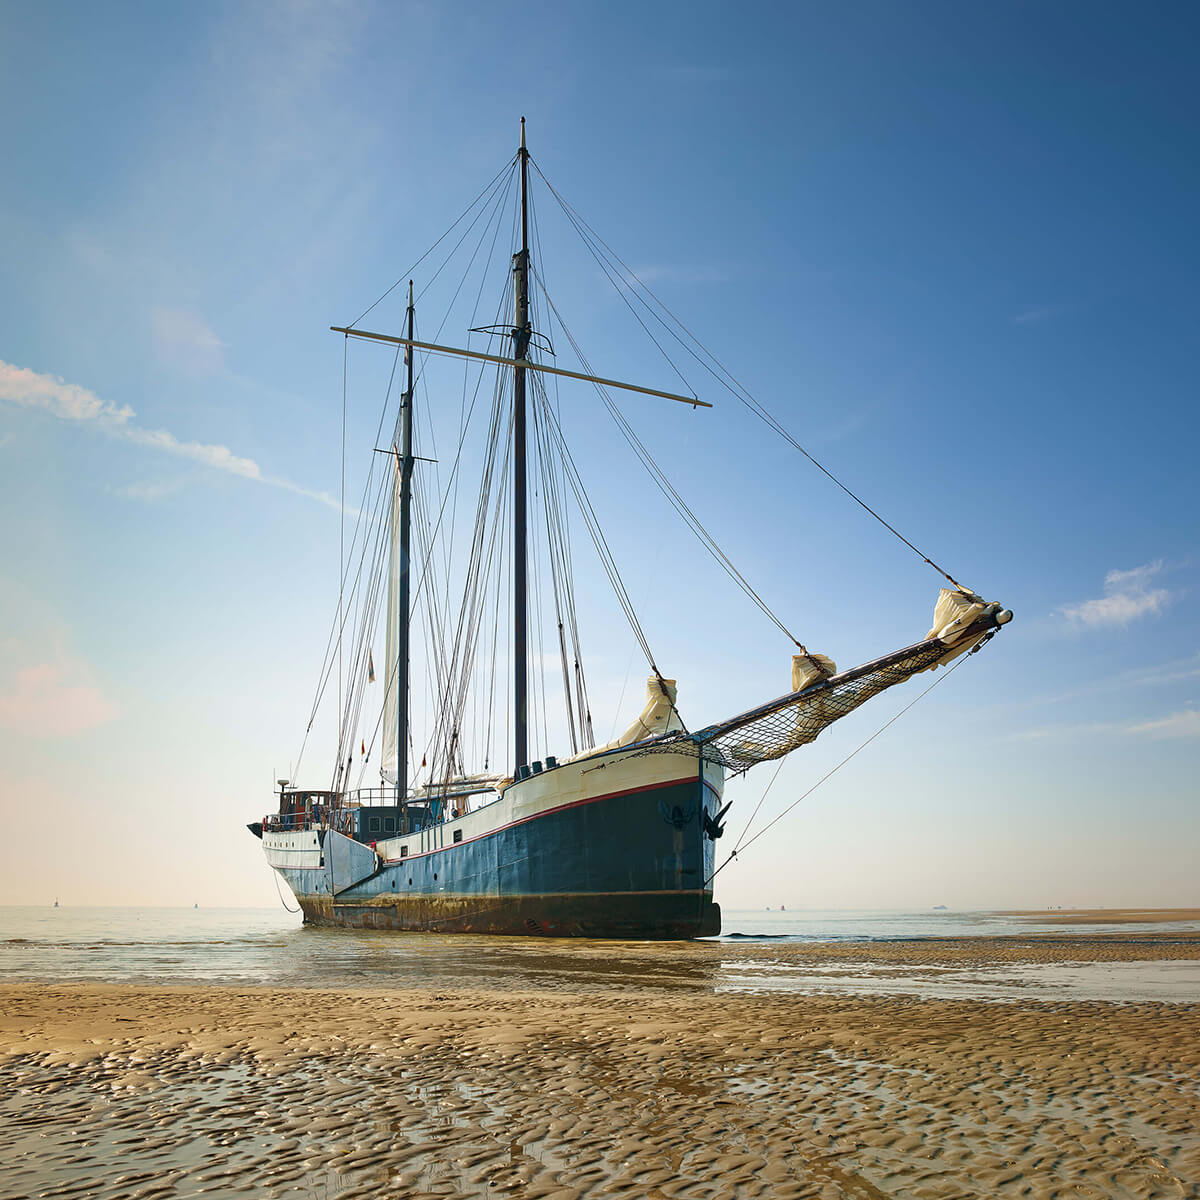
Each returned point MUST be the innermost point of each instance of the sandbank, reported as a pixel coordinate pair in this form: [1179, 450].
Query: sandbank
[1106, 916]
[635, 1092]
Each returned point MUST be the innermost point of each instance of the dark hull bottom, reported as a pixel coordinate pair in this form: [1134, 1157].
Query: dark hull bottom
[667, 915]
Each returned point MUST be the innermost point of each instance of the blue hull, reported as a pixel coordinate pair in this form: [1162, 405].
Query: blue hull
[636, 863]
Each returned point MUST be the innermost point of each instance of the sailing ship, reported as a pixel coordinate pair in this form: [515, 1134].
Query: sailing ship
[610, 840]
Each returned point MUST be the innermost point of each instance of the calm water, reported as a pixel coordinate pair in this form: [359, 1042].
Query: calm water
[270, 947]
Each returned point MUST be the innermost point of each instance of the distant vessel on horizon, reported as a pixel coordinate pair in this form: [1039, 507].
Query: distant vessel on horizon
[609, 840]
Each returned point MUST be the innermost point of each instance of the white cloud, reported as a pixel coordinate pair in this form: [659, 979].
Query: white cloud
[186, 339]
[220, 458]
[55, 698]
[1127, 595]
[54, 395]
[69, 402]
[1185, 724]
[1136, 578]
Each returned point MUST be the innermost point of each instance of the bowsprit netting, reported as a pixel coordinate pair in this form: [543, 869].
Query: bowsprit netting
[783, 725]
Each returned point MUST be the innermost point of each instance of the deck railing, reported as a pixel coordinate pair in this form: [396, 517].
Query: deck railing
[336, 810]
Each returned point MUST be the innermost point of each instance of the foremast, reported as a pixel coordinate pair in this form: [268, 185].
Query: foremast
[403, 655]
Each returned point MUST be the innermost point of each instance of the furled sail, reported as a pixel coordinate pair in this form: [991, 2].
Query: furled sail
[391, 694]
[820, 696]
[659, 716]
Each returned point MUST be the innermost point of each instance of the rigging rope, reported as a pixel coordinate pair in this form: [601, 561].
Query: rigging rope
[664, 485]
[722, 375]
[599, 540]
[325, 671]
[279, 893]
[453, 640]
[411, 270]
[804, 795]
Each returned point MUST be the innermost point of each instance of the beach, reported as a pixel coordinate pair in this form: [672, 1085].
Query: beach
[616, 1081]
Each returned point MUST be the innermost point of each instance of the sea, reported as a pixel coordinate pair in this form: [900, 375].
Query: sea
[271, 948]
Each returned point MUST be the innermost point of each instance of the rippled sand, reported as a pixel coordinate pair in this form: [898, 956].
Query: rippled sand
[626, 1091]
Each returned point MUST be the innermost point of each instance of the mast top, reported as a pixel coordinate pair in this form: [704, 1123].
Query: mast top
[522, 133]
[410, 298]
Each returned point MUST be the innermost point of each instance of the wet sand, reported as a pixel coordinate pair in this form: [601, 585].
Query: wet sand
[1107, 916]
[629, 1089]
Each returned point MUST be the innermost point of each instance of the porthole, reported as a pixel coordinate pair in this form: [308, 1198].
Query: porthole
[435, 874]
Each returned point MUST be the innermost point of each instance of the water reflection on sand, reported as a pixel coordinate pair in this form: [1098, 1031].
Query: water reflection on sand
[977, 956]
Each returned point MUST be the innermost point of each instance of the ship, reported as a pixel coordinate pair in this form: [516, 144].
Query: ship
[612, 840]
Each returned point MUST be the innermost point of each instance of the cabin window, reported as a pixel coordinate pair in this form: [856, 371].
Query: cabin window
[404, 854]
[458, 835]
[374, 825]
[389, 823]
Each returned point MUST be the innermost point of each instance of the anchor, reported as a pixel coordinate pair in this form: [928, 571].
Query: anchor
[712, 825]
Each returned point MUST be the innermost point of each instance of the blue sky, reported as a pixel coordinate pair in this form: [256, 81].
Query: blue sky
[952, 248]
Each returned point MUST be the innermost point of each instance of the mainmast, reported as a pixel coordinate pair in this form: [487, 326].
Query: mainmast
[520, 336]
[406, 469]
[521, 333]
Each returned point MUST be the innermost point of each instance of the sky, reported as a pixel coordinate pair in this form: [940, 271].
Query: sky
[951, 247]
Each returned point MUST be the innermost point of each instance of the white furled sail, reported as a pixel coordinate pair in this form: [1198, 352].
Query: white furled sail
[391, 693]
[658, 717]
[820, 696]
[956, 615]
[809, 668]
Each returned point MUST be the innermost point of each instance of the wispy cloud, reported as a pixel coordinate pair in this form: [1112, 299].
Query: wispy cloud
[1035, 316]
[52, 698]
[1060, 731]
[6, 439]
[151, 490]
[1127, 596]
[70, 402]
[1177, 670]
[64, 400]
[186, 339]
[1184, 724]
[220, 458]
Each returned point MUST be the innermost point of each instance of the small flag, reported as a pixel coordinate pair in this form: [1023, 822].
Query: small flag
[422, 760]
[370, 667]
[364, 748]
[407, 355]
